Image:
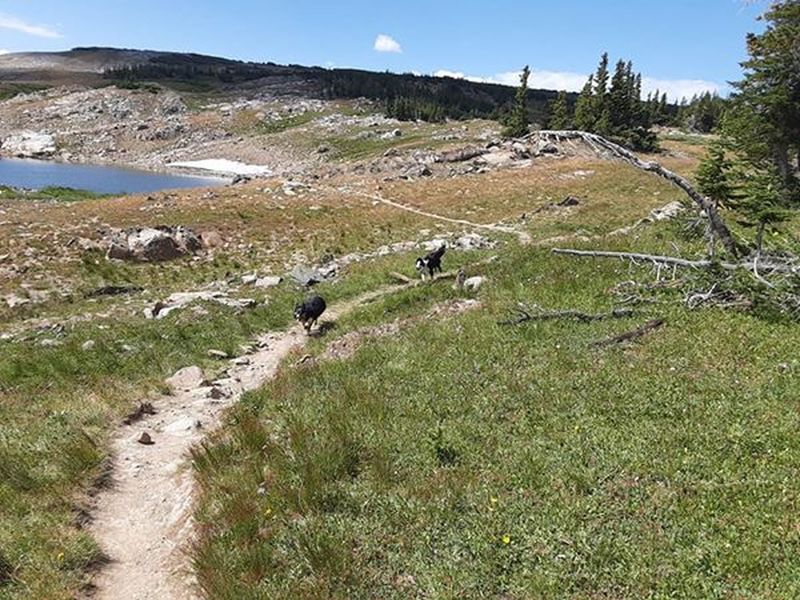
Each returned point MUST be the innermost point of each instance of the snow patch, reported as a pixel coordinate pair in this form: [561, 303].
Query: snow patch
[223, 165]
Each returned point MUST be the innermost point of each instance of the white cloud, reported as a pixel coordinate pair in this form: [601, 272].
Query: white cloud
[4, 51]
[15, 24]
[386, 43]
[574, 82]
[549, 80]
[681, 88]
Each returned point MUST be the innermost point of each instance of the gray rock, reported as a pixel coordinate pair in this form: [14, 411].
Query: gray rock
[306, 276]
[473, 284]
[187, 378]
[29, 144]
[268, 281]
[152, 244]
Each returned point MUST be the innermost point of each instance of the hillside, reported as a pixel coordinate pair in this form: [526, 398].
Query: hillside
[519, 432]
[197, 73]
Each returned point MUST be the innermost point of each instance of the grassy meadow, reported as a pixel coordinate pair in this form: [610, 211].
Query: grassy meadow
[459, 458]
[468, 459]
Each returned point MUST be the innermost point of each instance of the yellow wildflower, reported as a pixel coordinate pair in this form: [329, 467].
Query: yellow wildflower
[506, 539]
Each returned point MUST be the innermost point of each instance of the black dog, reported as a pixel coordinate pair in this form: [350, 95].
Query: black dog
[308, 311]
[431, 262]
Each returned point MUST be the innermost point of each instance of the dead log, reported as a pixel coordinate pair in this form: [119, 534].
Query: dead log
[598, 142]
[629, 335]
[768, 266]
[523, 316]
[400, 277]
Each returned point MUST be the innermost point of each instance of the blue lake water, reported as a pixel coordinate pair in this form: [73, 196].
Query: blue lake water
[101, 179]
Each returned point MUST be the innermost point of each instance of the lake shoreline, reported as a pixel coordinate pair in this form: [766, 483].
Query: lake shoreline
[32, 174]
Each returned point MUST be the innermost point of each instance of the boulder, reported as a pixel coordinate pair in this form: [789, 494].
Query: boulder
[416, 171]
[473, 241]
[152, 244]
[186, 379]
[306, 276]
[29, 144]
[473, 284]
[268, 281]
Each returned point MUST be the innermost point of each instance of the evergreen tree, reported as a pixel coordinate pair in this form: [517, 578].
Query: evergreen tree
[619, 102]
[663, 109]
[518, 121]
[584, 108]
[714, 174]
[770, 90]
[617, 111]
[601, 109]
[559, 112]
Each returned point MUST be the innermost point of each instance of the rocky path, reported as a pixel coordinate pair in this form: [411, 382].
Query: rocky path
[144, 521]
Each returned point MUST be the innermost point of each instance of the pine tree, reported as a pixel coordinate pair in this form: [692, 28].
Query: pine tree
[601, 109]
[585, 116]
[770, 89]
[714, 174]
[518, 121]
[619, 108]
[559, 112]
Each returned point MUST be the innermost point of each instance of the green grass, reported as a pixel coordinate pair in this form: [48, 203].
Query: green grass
[54, 193]
[9, 90]
[465, 459]
[286, 122]
[58, 404]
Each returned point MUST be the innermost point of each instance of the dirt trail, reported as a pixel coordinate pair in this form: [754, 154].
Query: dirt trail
[523, 236]
[144, 522]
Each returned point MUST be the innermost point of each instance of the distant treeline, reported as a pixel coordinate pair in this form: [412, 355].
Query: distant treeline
[612, 106]
[405, 96]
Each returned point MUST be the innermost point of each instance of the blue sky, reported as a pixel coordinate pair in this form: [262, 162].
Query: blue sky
[680, 46]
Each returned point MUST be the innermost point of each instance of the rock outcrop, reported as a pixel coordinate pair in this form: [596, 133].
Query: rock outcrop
[150, 244]
[29, 144]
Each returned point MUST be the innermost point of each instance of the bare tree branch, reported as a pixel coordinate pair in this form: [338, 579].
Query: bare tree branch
[630, 335]
[524, 315]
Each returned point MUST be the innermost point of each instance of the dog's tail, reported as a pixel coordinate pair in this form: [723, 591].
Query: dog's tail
[439, 252]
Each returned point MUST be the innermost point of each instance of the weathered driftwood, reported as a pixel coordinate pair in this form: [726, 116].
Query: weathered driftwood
[629, 335]
[749, 265]
[524, 315]
[600, 143]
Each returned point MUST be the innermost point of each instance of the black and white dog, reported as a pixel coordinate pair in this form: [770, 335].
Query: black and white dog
[431, 262]
[308, 311]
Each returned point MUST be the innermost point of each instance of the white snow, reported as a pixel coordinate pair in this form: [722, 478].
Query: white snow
[223, 165]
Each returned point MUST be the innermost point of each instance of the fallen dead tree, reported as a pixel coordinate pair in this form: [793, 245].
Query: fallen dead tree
[755, 266]
[629, 335]
[523, 314]
[600, 145]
